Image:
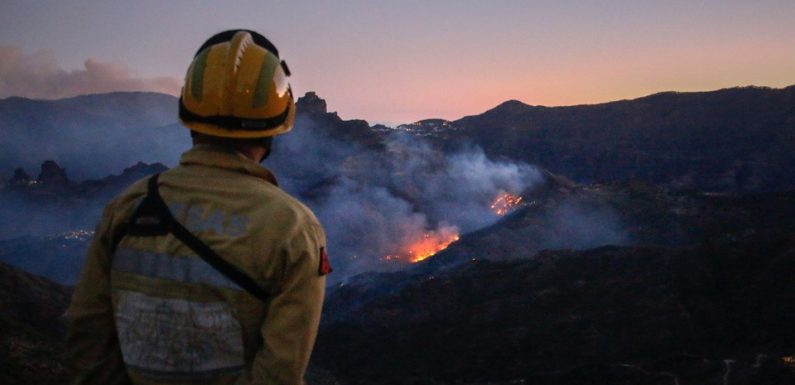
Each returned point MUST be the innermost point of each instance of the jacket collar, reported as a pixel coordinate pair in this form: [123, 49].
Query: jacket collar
[222, 157]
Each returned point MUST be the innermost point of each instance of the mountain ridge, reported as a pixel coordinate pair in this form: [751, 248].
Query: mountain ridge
[730, 140]
[516, 104]
[509, 102]
[117, 128]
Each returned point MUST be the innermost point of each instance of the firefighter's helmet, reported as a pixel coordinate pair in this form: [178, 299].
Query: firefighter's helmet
[236, 87]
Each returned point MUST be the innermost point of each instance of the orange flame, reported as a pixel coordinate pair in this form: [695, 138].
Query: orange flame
[430, 243]
[505, 203]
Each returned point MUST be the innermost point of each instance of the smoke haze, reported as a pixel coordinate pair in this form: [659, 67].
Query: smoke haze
[375, 202]
[579, 225]
[383, 203]
[38, 76]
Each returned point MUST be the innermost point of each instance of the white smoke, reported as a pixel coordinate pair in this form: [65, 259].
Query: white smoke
[38, 75]
[373, 202]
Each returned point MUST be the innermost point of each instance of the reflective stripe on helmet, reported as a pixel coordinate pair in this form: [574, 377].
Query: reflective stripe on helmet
[197, 80]
[237, 87]
[264, 81]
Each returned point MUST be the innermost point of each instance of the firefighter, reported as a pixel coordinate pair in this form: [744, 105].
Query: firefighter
[209, 272]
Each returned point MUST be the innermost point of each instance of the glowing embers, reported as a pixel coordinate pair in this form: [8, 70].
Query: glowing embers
[428, 244]
[505, 203]
[432, 243]
[423, 246]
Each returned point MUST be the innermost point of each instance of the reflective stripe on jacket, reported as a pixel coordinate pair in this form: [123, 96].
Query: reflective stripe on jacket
[152, 312]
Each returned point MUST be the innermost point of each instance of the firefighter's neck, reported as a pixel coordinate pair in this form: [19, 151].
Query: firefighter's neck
[250, 149]
[256, 154]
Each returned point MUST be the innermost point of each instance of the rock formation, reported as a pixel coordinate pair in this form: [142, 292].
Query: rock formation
[311, 104]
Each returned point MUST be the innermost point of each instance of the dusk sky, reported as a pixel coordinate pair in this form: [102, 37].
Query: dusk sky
[403, 61]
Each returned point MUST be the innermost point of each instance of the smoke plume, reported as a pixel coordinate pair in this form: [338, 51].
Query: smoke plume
[38, 75]
[376, 202]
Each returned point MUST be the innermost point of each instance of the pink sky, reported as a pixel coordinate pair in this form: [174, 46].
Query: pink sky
[401, 62]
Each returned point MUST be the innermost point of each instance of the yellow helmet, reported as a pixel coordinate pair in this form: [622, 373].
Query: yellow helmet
[236, 87]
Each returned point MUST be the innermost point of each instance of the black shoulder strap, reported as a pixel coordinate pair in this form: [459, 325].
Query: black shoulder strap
[152, 217]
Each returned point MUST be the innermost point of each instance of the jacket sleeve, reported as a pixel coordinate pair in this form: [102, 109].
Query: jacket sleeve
[92, 346]
[293, 315]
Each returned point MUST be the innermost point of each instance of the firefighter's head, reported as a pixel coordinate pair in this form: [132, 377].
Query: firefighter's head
[236, 91]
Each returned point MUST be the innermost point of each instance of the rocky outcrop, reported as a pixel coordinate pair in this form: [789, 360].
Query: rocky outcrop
[53, 180]
[310, 103]
[52, 174]
[20, 178]
[53, 204]
[312, 112]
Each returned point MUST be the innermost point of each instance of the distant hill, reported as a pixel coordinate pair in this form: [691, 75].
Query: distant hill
[731, 140]
[92, 135]
[52, 203]
[738, 139]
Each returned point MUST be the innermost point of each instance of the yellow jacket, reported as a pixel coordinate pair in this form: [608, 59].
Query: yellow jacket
[150, 311]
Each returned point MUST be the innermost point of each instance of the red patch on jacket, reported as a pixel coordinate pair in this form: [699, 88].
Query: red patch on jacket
[325, 266]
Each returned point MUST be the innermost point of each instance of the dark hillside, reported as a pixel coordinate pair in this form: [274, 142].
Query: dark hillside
[562, 215]
[31, 328]
[739, 139]
[627, 315]
[701, 279]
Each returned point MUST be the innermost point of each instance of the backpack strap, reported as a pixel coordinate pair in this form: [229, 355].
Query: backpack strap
[152, 218]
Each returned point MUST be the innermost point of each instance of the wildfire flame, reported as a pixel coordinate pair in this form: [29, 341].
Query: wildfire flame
[430, 243]
[505, 203]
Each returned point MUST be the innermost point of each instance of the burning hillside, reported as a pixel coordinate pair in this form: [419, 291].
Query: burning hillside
[431, 243]
[426, 245]
[395, 202]
[505, 203]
